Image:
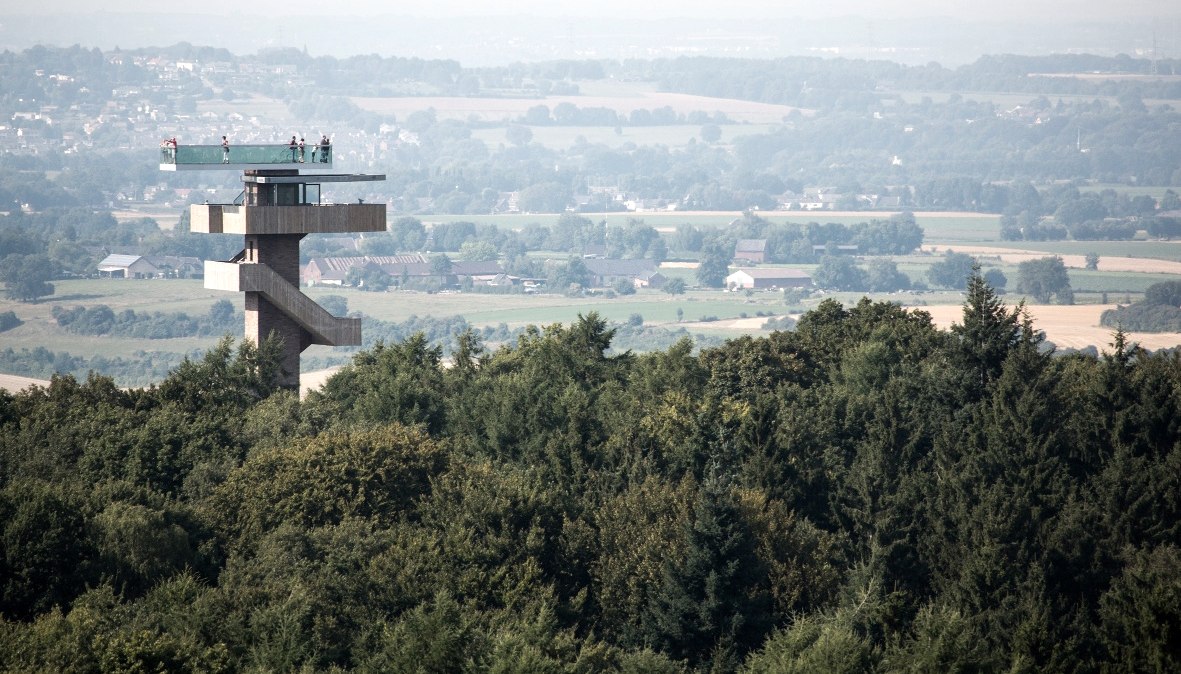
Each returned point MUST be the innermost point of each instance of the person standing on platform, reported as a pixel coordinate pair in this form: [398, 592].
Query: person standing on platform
[301, 149]
[294, 147]
[225, 150]
[325, 147]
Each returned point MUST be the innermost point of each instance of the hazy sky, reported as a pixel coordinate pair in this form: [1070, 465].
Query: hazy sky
[971, 9]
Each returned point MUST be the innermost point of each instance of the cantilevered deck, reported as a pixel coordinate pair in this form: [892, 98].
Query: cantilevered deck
[243, 157]
[304, 219]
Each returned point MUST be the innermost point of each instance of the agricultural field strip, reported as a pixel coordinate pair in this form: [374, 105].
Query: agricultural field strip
[1108, 264]
[508, 109]
[1074, 326]
[12, 383]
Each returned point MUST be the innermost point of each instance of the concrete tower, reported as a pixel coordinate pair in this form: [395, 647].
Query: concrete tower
[279, 205]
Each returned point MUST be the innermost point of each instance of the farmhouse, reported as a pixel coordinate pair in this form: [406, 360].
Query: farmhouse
[177, 266]
[751, 250]
[768, 278]
[127, 266]
[117, 265]
[607, 272]
[653, 279]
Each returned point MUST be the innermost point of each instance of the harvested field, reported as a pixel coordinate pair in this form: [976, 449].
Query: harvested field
[14, 384]
[1074, 327]
[1066, 326]
[314, 381]
[752, 325]
[166, 219]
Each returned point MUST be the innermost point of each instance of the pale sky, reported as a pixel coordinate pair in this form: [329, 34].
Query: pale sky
[624, 9]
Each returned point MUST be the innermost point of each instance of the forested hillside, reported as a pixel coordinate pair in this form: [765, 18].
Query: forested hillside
[866, 493]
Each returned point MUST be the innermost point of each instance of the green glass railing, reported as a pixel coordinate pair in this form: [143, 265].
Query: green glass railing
[187, 155]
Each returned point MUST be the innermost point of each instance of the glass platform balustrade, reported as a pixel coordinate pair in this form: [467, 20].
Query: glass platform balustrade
[214, 156]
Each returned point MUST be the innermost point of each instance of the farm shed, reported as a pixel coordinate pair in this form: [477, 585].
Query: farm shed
[768, 278]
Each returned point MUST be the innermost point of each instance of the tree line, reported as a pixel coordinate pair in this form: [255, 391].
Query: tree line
[1159, 311]
[100, 319]
[864, 493]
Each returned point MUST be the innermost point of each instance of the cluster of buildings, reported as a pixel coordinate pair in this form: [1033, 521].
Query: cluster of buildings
[418, 269]
[753, 252]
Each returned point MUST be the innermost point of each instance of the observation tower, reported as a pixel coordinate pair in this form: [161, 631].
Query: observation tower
[279, 205]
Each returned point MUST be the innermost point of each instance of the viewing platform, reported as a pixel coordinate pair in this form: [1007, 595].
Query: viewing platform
[243, 157]
[301, 219]
[281, 203]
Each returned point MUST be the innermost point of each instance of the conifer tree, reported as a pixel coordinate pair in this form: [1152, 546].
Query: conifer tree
[989, 331]
[712, 602]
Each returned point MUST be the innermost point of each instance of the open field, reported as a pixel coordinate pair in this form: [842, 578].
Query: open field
[1072, 261]
[166, 218]
[622, 100]
[1067, 327]
[13, 383]
[274, 110]
[178, 295]
[1160, 250]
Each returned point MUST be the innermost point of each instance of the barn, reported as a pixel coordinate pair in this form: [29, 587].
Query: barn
[768, 279]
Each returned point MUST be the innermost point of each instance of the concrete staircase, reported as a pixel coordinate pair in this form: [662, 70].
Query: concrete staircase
[323, 327]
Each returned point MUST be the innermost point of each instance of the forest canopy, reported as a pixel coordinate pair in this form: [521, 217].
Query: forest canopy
[866, 493]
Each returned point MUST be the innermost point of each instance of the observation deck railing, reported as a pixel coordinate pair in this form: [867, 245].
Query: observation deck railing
[216, 156]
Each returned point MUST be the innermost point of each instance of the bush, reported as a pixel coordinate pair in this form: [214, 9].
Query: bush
[8, 321]
[781, 323]
[101, 320]
[1143, 317]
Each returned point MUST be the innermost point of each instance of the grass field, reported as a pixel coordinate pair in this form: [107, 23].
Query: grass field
[1156, 250]
[39, 328]
[622, 97]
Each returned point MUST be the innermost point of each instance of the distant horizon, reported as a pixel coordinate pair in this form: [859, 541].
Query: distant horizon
[1003, 10]
[509, 33]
